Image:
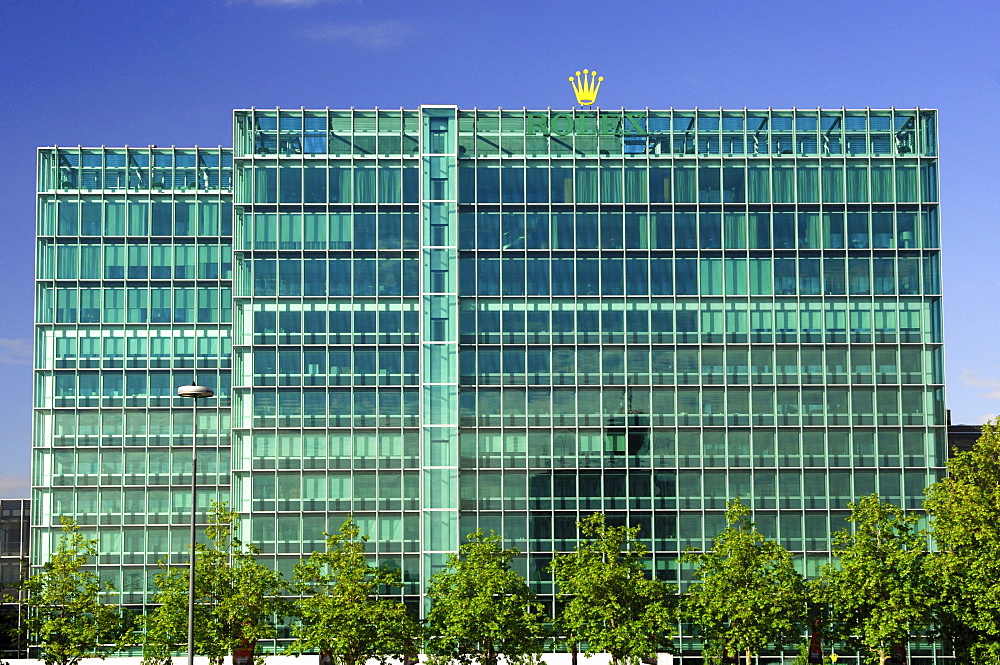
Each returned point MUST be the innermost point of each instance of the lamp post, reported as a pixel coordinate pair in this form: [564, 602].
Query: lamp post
[195, 392]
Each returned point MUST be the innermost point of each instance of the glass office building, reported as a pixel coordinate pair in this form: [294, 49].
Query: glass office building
[442, 319]
[133, 298]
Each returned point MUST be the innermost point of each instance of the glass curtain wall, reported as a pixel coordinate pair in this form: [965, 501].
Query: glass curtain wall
[445, 320]
[692, 307]
[134, 299]
[657, 311]
[330, 325]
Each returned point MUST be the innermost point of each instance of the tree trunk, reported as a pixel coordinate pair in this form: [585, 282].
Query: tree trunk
[749, 657]
[883, 656]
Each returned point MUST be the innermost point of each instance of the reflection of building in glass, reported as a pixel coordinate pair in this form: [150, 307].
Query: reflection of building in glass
[441, 320]
[627, 431]
[15, 518]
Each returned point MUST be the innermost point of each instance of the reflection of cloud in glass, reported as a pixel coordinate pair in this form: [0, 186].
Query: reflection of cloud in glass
[379, 34]
[15, 351]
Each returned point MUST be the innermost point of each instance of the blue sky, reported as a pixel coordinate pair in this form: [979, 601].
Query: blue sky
[108, 72]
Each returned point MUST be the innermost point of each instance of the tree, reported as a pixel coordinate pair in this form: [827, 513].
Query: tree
[747, 594]
[876, 593]
[965, 511]
[237, 599]
[611, 604]
[67, 617]
[481, 609]
[339, 608]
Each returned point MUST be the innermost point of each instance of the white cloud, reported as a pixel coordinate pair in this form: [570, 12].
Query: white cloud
[377, 34]
[15, 351]
[970, 379]
[287, 3]
[992, 385]
[15, 487]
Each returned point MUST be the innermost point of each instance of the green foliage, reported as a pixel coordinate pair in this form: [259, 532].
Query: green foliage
[747, 594]
[166, 626]
[611, 604]
[66, 617]
[482, 610]
[802, 657]
[877, 593]
[339, 609]
[965, 507]
[237, 599]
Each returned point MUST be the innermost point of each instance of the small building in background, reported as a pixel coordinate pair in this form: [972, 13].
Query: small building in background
[15, 518]
[961, 438]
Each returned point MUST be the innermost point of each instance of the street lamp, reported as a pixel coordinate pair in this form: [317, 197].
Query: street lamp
[195, 392]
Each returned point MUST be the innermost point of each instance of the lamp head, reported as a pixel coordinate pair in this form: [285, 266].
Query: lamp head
[195, 391]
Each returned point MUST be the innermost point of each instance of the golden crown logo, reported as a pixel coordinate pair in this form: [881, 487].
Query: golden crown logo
[587, 87]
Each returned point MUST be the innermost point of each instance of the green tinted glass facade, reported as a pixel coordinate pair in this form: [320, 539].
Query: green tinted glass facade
[134, 298]
[445, 320]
